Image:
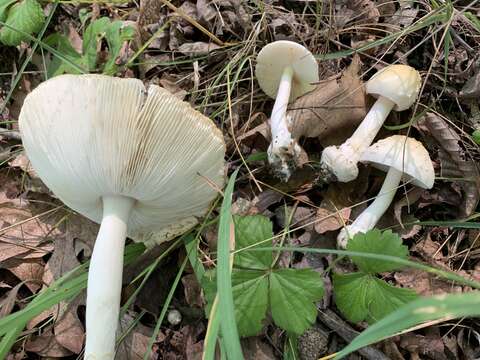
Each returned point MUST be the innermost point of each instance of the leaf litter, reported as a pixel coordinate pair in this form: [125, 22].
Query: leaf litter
[35, 249]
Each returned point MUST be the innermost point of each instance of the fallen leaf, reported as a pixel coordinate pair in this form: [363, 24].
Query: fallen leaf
[425, 284]
[255, 349]
[46, 345]
[431, 346]
[29, 271]
[192, 291]
[68, 328]
[330, 219]
[8, 302]
[454, 161]
[355, 12]
[135, 343]
[197, 48]
[332, 110]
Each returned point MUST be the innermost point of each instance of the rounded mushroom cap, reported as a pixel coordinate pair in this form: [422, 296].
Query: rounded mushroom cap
[398, 83]
[404, 154]
[275, 57]
[88, 136]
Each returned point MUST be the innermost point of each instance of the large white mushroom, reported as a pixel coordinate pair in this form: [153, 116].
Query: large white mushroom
[285, 70]
[402, 158]
[395, 87]
[133, 159]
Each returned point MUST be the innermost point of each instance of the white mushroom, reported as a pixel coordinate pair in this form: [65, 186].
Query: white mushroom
[130, 158]
[402, 158]
[395, 87]
[285, 70]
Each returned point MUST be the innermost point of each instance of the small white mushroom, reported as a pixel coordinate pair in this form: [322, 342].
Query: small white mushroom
[285, 70]
[402, 158]
[395, 87]
[174, 317]
[133, 159]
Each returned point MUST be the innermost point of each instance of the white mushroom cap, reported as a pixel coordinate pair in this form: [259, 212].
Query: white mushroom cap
[406, 155]
[275, 57]
[398, 83]
[90, 136]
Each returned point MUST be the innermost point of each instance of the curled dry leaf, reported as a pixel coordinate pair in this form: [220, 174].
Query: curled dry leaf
[332, 110]
[454, 161]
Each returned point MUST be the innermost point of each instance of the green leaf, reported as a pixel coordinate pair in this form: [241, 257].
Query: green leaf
[93, 34]
[250, 293]
[59, 66]
[476, 136]
[376, 242]
[251, 230]
[360, 297]
[26, 16]
[4, 4]
[418, 312]
[292, 295]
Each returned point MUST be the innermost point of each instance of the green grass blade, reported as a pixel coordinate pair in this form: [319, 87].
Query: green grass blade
[146, 356]
[415, 313]
[224, 281]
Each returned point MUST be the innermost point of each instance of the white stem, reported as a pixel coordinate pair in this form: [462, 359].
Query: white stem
[278, 120]
[105, 279]
[363, 136]
[341, 161]
[370, 216]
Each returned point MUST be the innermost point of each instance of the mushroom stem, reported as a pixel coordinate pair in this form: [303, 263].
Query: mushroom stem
[370, 216]
[342, 161]
[282, 143]
[369, 127]
[105, 278]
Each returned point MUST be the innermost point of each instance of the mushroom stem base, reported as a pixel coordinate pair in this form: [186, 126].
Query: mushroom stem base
[370, 216]
[105, 279]
[284, 151]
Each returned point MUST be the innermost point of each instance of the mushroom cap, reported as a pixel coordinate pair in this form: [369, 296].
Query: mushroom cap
[275, 57]
[88, 136]
[398, 83]
[404, 154]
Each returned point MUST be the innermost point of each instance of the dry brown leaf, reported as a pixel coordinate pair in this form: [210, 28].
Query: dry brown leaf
[454, 161]
[332, 110]
[356, 12]
[68, 328]
[22, 234]
[29, 271]
[255, 349]
[197, 48]
[8, 302]
[135, 344]
[46, 345]
[331, 219]
[425, 284]
[431, 346]
[192, 291]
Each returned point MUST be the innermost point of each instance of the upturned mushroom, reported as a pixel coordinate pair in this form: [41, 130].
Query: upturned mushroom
[285, 70]
[395, 87]
[133, 159]
[403, 158]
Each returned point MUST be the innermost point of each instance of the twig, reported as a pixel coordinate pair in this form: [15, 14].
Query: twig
[334, 322]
